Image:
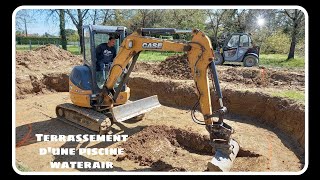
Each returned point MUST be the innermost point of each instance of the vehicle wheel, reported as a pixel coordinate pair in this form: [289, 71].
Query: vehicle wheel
[250, 61]
[218, 59]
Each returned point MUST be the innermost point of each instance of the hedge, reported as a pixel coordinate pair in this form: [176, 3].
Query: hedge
[38, 40]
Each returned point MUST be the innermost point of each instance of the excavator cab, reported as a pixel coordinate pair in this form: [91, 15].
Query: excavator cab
[94, 35]
[88, 110]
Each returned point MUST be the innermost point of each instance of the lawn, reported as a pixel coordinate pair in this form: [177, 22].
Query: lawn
[279, 60]
[154, 56]
[291, 94]
[73, 49]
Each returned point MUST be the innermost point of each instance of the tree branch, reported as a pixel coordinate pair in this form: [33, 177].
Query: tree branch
[286, 12]
[75, 22]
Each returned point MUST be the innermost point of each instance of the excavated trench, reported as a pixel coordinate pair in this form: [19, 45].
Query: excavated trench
[273, 111]
[164, 148]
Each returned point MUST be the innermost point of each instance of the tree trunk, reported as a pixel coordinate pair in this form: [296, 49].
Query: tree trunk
[80, 38]
[94, 17]
[63, 29]
[293, 41]
[79, 27]
[25, 27]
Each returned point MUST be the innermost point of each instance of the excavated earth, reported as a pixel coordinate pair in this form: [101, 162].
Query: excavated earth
[270, 130]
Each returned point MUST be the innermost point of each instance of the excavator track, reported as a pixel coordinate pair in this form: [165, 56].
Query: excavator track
[84, 118]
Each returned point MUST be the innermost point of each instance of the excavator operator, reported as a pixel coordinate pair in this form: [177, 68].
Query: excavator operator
[105, 53]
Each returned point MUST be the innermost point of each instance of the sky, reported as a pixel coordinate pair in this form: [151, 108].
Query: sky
[41, 24]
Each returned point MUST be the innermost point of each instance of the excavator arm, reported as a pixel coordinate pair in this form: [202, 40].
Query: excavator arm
[200, 58]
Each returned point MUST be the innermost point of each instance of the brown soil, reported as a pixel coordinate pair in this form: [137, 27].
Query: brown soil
[284, 114]
[270, 130]
[165, 140]
[177, 67]
[164, 145]
[44, 70]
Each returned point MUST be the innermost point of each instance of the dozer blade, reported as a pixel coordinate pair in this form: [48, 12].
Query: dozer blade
[134, 108]
[223, 161]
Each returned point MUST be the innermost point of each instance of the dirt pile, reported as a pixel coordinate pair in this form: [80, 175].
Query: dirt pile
[48, 58]
[177, 67]
[45, 69]
[166, 145]
[176, 149]
[262, 77]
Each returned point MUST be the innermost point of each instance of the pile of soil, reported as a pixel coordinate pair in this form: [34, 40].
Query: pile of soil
[177, 67]
[48, 58]
[43, 70]
[168, 148]
[165, 145]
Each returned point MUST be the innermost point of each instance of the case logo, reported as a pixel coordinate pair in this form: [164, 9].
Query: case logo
[152, 45]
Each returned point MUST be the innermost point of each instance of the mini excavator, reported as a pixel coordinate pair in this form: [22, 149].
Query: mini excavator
[97, 107]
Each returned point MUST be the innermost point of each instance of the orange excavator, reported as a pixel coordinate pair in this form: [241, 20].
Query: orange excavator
[96, 107]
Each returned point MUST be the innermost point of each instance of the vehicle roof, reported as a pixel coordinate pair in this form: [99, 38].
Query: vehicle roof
[105, 29]
[240, 34]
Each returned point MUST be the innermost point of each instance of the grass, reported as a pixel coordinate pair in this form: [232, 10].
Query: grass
[291, 94]
[279, 60]
[22, 168]
[71, 48]
[153, 56]
[74, 50]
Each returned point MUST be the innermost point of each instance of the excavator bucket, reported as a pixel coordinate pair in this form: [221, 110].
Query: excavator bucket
[134, 108]
[224, 158]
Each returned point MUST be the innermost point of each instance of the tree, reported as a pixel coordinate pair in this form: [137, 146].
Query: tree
[77, 19]
[54, 15]
[23, 18]
[296, 19]
[63, 29]
[215, 17]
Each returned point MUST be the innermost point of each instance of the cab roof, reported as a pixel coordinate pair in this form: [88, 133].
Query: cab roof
[106, 29]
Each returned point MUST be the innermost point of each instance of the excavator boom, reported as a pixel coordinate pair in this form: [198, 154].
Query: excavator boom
[200, 58]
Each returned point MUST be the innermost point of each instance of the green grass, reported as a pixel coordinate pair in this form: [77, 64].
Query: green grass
[279, 60]
[22, 168]
[74, 50]
[291, 94]
[71, 48]
[153, 56]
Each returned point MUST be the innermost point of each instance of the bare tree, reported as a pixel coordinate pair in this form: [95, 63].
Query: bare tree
[77, 19]
[296, 18]
[215, 19]
[53, 14]
[94, 15]
[107, 14]
[23, 18]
